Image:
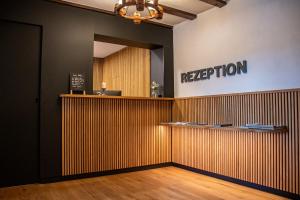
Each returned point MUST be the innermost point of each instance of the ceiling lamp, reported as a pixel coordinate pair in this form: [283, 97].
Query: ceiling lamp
[139, 10]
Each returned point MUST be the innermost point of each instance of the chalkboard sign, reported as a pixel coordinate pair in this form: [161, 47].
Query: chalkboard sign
[77, 82]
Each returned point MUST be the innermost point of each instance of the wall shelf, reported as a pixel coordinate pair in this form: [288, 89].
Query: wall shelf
[281, 129]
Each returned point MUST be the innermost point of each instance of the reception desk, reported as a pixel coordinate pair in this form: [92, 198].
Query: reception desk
[103, 133]
[107, 133]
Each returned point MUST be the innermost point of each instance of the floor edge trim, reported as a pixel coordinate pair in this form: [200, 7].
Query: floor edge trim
[240, 182]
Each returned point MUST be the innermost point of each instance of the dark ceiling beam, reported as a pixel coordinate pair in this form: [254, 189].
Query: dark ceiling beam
[178, 13]
[217, 3]
[103, 11]
[83, 6]
[167, 9]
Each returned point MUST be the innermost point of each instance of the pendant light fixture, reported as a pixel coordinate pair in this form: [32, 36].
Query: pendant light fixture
[139, 10]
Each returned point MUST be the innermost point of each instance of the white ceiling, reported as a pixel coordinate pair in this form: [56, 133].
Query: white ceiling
[102, 49]
[192, 6]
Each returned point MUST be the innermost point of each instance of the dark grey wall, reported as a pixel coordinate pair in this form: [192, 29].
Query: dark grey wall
[157, 65]
[67, 46]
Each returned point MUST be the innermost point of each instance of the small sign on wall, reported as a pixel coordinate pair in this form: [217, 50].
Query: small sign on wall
[230, 69]
[77, 82]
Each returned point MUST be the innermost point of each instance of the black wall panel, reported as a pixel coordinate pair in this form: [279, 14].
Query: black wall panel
[19, 108]
[67, 46]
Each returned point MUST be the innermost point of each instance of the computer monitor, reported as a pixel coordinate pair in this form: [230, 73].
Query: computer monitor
[109, 92]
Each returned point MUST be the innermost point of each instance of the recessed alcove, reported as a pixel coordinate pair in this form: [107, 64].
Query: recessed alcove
[128, 67]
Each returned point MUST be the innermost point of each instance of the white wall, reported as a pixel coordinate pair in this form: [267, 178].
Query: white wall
[264, 32]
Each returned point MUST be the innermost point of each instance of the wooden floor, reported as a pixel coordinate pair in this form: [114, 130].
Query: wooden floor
[163, 183]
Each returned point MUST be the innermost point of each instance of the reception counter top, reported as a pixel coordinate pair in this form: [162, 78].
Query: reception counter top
[114, 97]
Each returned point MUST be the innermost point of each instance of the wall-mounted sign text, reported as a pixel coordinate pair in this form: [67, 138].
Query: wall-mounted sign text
[77, 82]
[222, 70]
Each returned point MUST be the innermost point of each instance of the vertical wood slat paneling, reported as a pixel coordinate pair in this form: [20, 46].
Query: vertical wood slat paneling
[100, 134]
[269, 159]
[97, 73]
[127, 70]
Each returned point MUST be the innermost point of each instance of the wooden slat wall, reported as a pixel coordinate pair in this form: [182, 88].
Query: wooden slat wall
[127, 70]
[97, 73]
[106, 134]
[269, 159]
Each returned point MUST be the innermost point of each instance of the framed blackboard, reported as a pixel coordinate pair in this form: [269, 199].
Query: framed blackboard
[77, 82]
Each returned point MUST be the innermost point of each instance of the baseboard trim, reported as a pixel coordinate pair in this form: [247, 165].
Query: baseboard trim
[105, 173]
[12, 184]
[168, 164]
[240, 182]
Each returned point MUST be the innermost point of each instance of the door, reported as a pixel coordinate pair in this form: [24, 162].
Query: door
[19, 103]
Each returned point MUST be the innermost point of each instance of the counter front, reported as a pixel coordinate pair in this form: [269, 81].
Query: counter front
[102, 133]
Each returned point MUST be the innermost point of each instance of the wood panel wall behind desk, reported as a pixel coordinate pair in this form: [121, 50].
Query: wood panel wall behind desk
[269, 159]
[127, 70]
[97, 73]
[100, 134]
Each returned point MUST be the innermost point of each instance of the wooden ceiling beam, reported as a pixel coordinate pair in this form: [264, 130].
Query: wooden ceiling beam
[217, 3]
[103, 11]
[82, 6]
[178, 13]
[167, 9]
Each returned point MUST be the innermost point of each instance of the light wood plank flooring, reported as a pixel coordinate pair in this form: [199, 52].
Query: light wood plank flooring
[163, 183]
